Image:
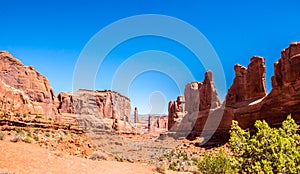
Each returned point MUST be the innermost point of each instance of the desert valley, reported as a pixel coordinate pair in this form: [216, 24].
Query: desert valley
[92, 131]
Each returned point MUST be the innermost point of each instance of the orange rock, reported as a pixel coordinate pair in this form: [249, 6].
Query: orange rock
[23, 89]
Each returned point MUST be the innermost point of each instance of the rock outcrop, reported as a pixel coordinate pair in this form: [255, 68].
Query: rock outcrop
[106, 106]
[136, 115]
[157, 123]
[102, 104]
[249, 83]
[201, 95]
[176, 111]
[23, 89]
[246, 100]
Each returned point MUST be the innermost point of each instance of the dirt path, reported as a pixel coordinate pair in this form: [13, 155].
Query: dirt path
[30, 158]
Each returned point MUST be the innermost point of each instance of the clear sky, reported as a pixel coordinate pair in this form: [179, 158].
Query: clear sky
[51, 34]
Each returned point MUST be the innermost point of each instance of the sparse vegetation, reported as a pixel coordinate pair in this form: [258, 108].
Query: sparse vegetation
[270, 150]
[161, 168]
[65, 132]
[24, 115]
[215, 163]
[19, 131]
[18, 114]
[36, 138]
[28, 139]
[47, 134]
[38, 117]
[1, 136]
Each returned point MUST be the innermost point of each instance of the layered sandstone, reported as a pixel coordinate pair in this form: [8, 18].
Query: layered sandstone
[249, 83]
[201, 95]
[23, 89]
[176, 110]
[246, 100]
[102, 104]
[157, 123]
[94, 108]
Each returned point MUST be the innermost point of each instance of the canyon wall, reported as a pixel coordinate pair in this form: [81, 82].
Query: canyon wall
[157, 123]
[246, 100]
[102, 104]
[24, 90]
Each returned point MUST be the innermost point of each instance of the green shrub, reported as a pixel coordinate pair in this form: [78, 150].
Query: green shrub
[47, 134]
[65, 132]
[19, 131]
[270, 150]
[173, 166]
[36, 138]
[28, 139]
[24, 115]
[18, 114]
[38, 117]
[214, 163]
[1, 136]
[5, 113]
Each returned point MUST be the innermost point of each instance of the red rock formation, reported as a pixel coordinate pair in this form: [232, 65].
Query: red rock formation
[176, 111]
[249, 83]
[247, 101]
[23, 89]
[157, 123]
[136, 115]
[201, 95]
[102, 104]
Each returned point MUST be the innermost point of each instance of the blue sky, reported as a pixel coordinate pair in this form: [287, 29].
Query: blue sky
[51, 34]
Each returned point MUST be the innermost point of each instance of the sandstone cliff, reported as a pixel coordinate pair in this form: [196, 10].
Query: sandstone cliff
[23, 89]
[246, 100]
[94, 108]
[103, 104]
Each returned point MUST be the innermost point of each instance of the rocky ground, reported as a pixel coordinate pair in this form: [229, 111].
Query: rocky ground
[33, 144]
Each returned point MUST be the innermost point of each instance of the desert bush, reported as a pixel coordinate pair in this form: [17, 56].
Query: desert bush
[36, 138]
[47, 134]
[161, 168]
[1, 136]
[18, 114]
[27, 139]
[215, 163]
[24, 115]
[269, 150]
[19, 131]
[38, 117]
[173, 166]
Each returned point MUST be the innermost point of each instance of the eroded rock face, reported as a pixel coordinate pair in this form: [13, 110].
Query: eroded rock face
[249, 83]
[247, 101]
[200, 96]
[23, 89]
[102, 104]
[157, 123]
[136, 115]
[176, 110]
